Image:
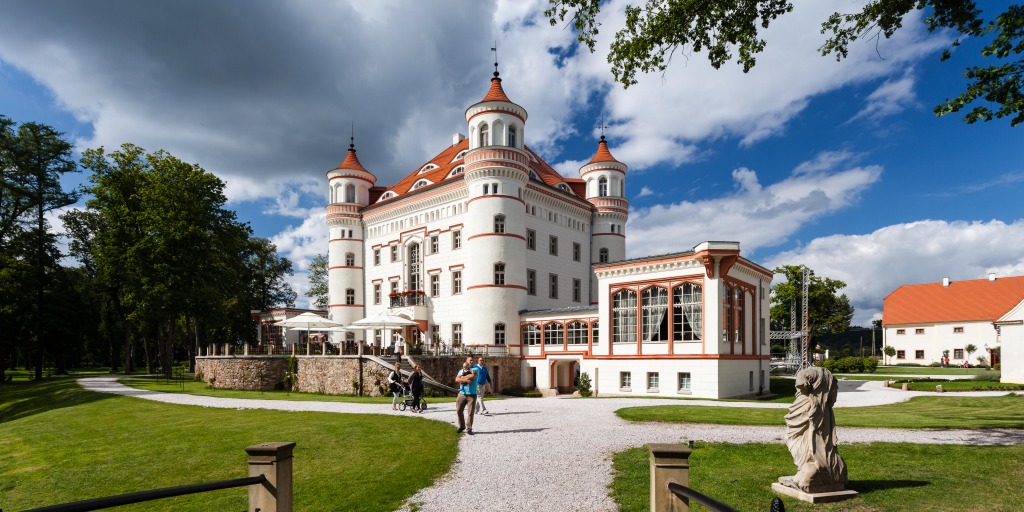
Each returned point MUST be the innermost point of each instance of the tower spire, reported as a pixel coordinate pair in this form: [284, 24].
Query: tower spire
[352, 139]
[495, 50]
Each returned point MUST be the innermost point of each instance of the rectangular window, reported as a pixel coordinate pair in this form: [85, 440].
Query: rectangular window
[350, 297]
[553, 286]
[624, 317]
[652, 381]
[394, 253]
[499, 334]
[456, 335]
[575, 251]
[576, 290]
[625, 381]
[435, 333]
[684, 382]
[499, 274]
[900, 332]
[434, 245]
[435, 285]
[376, 257]
[918, 331]
[394, 287]
[376, 293]
[553, 245]
[901, 354]
[958, 353]
[531, 334]
[456, 282]
[553, 334]
[531, 239]
[919, 354]
[958, 330]
[457, 239]
[531, 282]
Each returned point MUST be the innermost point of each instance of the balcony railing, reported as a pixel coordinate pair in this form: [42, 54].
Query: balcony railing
[410, 298]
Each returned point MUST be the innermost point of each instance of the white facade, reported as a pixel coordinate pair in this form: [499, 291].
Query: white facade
[924, 343]
[486, 231]
[1011, 337]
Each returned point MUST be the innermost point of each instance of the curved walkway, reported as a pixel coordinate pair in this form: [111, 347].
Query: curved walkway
[555, 454]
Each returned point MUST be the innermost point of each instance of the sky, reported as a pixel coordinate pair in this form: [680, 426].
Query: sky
[841, 166]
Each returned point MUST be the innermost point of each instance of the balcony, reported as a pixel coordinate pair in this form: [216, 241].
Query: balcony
[408, 298]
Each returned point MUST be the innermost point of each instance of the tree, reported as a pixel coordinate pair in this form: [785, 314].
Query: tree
[889, 351]
[828, 311]
[656, 31]
[318, 281]
[970, 349]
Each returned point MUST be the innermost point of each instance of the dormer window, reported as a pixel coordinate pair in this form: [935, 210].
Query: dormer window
[563, 187]
[533, 176]
[485, 136]
[512, 136]
[460, 156]
[427, 168]
[421, 183]
[387, 195]
[456, 171]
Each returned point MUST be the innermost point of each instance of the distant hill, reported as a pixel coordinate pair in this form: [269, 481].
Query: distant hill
[851, 340]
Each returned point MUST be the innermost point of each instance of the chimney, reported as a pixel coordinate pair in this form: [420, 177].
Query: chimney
[945, 282]
[992, 277]
[457, 138]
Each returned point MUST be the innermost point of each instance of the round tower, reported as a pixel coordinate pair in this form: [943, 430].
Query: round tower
[606, 190]
[496, 173]
[349, 192]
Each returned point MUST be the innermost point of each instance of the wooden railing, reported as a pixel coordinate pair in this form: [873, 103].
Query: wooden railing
[269, 483]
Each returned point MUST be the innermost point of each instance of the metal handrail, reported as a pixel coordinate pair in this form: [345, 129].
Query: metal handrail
[152, 494]
[684, 492]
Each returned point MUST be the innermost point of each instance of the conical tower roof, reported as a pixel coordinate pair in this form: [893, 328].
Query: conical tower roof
[496, 93]
[602, 155]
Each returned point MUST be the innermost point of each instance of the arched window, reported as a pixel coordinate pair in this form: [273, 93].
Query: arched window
[456, 171]
[654, 326]
[602, 255]
[499, 223]
[602, 186]
[350, 296]
[499, 334]
[553, 333]
[624, 317]
[414, 267]
[499, 273]
[350, 193]
[737, 305]
[728, 328]
[688, 312]
[485, 136]
[350, 259]
[420, 183]
[531, 334]
[336, 193]
[512, 136]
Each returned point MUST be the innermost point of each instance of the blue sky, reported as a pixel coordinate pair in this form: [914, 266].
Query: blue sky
[838, 165]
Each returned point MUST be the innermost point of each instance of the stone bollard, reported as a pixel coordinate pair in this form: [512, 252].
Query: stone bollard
[669, 463]
[273, 460]
[906, 386]
[938, 388]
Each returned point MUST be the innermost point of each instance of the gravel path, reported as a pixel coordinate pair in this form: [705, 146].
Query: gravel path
[555, 454]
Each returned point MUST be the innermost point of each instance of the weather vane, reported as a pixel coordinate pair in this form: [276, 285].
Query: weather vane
[352, 139]
[495, 50]
[602, 127]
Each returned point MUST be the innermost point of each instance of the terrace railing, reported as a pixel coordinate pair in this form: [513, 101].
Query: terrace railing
[269, 483]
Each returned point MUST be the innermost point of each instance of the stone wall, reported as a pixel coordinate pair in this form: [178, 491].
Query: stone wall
[338, 375]
[254, 373]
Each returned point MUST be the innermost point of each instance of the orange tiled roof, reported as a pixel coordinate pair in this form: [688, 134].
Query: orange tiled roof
[496, 93]
[352, 162]
[978, 299]
[602, 155]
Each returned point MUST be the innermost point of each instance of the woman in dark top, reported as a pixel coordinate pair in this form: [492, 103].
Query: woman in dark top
[416, 386]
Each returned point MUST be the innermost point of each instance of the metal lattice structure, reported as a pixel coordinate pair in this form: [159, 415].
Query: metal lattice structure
[799, 351]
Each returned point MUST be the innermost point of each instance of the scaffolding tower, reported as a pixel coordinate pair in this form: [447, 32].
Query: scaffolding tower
[799, 351]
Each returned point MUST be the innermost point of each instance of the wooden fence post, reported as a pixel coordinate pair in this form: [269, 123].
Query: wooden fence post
[273, 460]
[669, 463]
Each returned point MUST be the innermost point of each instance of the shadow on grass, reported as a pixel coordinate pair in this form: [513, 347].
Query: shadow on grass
[870, 486]
[23, 399]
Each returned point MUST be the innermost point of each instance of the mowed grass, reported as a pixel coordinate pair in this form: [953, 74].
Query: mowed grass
[889, 477]
[929, 370]
[195, 387]
[920, 412]
[60, 443]
[962, 385]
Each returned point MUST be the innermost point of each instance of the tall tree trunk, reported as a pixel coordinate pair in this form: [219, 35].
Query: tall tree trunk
[168, 349]
[150, 365]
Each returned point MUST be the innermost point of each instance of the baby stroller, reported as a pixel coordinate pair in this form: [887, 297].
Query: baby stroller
[407, 400]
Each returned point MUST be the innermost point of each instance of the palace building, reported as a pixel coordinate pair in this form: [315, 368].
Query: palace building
[487, 247]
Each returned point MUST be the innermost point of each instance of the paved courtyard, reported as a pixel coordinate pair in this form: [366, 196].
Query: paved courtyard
[555, 453]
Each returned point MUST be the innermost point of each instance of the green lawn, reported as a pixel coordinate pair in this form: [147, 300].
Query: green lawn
[921, 412]
[929, 370]
[195, 387]
[961, 385]
[60, 443]
[888, 476]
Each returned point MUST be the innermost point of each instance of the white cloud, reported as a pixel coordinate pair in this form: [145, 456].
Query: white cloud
[645, 191]
[890, 98]
[873, 265]
[755, 214]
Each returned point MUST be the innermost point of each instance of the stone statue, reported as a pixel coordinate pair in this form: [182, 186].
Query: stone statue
[811, 434]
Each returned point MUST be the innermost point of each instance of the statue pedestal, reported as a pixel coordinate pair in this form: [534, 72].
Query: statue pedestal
[817, 497]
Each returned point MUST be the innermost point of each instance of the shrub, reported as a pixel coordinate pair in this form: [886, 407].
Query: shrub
[583, 386]
[988, 377]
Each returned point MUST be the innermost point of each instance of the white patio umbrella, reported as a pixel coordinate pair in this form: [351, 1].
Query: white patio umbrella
[382, 321]
[309, 322]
